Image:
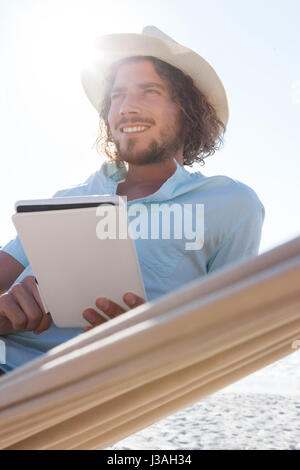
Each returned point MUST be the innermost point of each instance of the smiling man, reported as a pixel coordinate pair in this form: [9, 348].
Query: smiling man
[162, 108]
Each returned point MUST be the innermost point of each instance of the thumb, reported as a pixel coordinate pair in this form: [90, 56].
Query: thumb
[44, 324]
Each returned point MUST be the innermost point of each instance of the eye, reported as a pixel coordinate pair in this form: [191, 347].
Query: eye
[115, 96]
[151, 90]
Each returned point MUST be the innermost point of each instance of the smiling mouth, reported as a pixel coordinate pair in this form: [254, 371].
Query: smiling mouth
[134, 130]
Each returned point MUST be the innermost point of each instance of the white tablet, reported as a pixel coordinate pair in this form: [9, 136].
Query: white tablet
[80, 249]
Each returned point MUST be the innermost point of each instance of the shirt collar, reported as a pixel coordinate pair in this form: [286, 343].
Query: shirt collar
[113, 172]
[175, 185]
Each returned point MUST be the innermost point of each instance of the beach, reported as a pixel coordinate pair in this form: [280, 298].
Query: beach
[260, 412]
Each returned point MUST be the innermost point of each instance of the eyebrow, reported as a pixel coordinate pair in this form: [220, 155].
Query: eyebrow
[143, 86]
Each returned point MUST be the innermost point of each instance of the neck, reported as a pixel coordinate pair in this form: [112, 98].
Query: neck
[153, 174]
[144, 180]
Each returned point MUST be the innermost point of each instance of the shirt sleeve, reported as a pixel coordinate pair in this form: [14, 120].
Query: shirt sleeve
[15, 249]
[242, 242]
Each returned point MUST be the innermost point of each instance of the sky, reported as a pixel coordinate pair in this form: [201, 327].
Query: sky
[48, 127]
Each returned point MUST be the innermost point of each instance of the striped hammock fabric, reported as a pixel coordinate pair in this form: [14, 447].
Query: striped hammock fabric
[136, 369]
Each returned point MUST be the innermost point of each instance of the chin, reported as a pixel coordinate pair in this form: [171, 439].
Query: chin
[137, 153]
[136, 160]
[146, 153]
[143, 158]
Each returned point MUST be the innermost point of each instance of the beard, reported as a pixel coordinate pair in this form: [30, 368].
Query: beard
[155, 152]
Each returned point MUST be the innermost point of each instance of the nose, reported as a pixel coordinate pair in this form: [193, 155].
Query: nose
[129, 105]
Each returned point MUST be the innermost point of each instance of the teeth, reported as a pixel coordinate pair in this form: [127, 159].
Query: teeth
[134, 129]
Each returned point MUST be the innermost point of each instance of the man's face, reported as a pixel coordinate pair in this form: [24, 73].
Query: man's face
[143, 118]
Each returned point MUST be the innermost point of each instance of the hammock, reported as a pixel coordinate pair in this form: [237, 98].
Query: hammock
[136, 369]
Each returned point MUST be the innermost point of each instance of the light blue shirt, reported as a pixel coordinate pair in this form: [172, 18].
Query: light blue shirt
[233, 219]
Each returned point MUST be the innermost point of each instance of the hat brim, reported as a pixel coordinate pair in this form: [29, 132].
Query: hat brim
[114, 47]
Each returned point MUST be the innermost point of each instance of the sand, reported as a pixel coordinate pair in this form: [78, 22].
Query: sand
[261, 412]
[225, 421]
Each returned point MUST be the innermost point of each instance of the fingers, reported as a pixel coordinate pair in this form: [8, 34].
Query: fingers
[13, 313]
[88, 328]
[110, 309]
[46, 318]
[133, 300]
[24, 298]
[93, 318]
[32, 285]
[44, 324]
[23, 307]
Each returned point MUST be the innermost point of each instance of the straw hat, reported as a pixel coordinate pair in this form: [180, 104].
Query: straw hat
[152, 42]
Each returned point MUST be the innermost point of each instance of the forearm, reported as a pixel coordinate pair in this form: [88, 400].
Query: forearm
[10, 270]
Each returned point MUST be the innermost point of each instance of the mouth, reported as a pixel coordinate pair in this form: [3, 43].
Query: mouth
[134, 129]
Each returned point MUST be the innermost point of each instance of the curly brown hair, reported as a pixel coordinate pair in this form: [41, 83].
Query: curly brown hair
[201, 127]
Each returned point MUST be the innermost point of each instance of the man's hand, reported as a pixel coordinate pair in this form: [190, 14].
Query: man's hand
[21, 309]
[111, 309]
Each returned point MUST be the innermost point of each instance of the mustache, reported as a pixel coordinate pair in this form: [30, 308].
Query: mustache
[133, 120]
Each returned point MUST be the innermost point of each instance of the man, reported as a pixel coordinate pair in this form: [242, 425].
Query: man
[162, 107]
